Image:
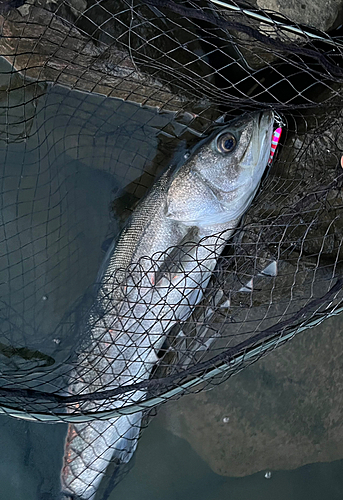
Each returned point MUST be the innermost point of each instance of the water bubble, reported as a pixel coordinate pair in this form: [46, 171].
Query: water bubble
[45, 297]
[268, 474]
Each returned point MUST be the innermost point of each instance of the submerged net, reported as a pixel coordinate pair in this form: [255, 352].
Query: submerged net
[97, 99]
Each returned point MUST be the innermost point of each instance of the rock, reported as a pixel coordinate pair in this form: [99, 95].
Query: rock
[317, 14]
[281, 413]
[97, 68]
[320, 14]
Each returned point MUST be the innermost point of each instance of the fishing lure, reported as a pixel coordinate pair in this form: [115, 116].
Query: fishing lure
[275, 142]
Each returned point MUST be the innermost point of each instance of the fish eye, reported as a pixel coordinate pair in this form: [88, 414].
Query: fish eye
[226, 143]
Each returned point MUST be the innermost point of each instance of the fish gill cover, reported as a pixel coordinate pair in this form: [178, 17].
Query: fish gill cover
[104, 315]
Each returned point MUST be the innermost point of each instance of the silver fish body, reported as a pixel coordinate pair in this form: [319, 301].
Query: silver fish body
[152, 278]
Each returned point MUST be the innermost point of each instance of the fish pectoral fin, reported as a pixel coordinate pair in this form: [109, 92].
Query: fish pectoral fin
[173, 266]
[169, 280]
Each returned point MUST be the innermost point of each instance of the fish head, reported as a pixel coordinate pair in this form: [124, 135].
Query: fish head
[218, 182]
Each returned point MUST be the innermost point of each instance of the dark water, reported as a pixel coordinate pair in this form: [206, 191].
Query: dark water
[69, 165]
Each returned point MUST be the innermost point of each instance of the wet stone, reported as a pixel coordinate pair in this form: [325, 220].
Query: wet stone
[285, 411]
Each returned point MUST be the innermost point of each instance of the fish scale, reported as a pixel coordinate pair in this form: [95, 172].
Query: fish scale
[152, 278]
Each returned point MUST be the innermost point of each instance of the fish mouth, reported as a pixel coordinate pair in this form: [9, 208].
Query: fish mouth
[262, 136]
[264, 125]
[267, 115]
[263, 119]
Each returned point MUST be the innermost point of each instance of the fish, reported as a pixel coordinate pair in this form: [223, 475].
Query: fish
[152, 278]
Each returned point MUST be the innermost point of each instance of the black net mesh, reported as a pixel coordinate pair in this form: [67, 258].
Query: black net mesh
[97, 100]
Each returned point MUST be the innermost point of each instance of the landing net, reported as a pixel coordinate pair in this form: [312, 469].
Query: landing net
[97, 100]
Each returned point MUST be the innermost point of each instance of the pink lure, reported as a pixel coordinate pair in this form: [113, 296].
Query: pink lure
[275, 141]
